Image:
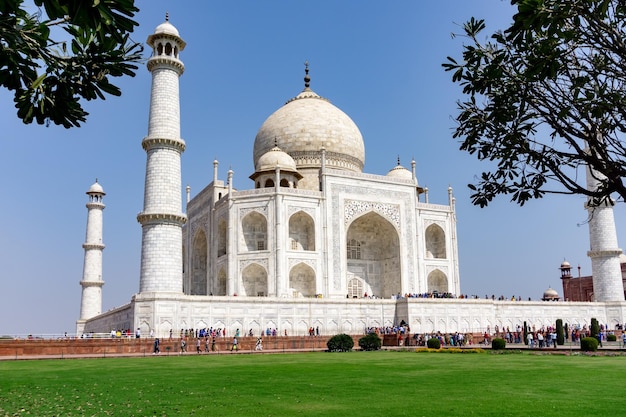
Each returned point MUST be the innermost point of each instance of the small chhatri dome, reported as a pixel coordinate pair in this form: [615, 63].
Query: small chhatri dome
[275, 157]
[400, 172]
[166, 28]
[550, 294]
[565, 264]
[96, 189]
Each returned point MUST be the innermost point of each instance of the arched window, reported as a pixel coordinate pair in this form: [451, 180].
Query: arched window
[168, 49]
[355, 288]
[269, 183]
[354, 249]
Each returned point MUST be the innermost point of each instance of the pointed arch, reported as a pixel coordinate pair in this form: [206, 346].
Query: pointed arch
[302, 232]
[220, 288]
[435, 242]
[302, 280]
[199, 264]
[373, 255]
[254, 278]
[254, 228]
[222, 238]
[437, 282]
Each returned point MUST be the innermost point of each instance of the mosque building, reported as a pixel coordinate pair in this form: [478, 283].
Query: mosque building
[315, 241]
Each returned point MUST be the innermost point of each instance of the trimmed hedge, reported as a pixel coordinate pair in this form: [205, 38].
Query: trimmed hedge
[433, 343]
[611, 338]
[589, 344]
[595, 328]
[560, 333]
[340, 343]
[371, 341]
[498, 343]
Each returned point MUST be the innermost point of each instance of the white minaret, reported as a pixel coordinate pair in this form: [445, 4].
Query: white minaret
[603, 248]
[91, 299]
[162, 217]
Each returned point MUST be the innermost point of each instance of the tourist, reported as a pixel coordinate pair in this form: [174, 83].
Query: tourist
[624, 339]
[157, 348]
[198, 345]
[259, 343]
[183, 345]
[530, 339]
[138, 333]
[234, 347]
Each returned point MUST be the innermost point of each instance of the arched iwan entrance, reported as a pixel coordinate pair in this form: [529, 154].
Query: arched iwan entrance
[373, 256]
[254, 279]
[302, 281]
[437, 282]
[199, 265]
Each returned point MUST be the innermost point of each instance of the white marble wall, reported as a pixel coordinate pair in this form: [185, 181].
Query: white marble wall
[162, 313]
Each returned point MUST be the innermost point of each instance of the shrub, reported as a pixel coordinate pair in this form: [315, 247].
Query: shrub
[433, 343]
[498, 343]
[340, 343]
[611, 338]
[560, 336]
[370, 342]
[589, 344]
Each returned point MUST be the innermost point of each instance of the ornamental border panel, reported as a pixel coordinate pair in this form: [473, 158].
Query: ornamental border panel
[310, 262]
[430, 222]
[291, 210]
[246, 210]
[442, 268]
[243, 264]
[353, 208]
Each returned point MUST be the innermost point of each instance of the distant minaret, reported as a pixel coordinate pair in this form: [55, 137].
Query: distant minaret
[603, 251]
[91, 299]
[162, 217]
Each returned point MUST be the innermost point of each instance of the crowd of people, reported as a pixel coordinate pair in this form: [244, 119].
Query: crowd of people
[436, 294]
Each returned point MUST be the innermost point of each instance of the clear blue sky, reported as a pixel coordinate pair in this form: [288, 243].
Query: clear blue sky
[380, 62]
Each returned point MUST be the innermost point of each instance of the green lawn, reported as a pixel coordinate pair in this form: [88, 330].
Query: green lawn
[316, 384]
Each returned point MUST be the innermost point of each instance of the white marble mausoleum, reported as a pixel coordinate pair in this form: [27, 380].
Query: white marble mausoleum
[314, 242]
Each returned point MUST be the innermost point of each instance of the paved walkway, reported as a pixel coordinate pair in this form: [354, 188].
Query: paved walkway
[567, 348]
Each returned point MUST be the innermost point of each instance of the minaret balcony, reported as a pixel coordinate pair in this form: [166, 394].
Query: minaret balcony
[150, 143]
[161, 218]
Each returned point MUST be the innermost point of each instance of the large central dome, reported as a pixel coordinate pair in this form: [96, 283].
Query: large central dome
[306, 124]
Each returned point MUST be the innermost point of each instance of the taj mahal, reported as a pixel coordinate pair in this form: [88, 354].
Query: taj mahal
[314, 242]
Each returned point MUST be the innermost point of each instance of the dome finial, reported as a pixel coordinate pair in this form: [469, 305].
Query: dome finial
[307, 79]
[398, 160]
[167, 16]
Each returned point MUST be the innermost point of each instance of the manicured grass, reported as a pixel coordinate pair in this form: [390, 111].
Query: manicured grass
[316, 384]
